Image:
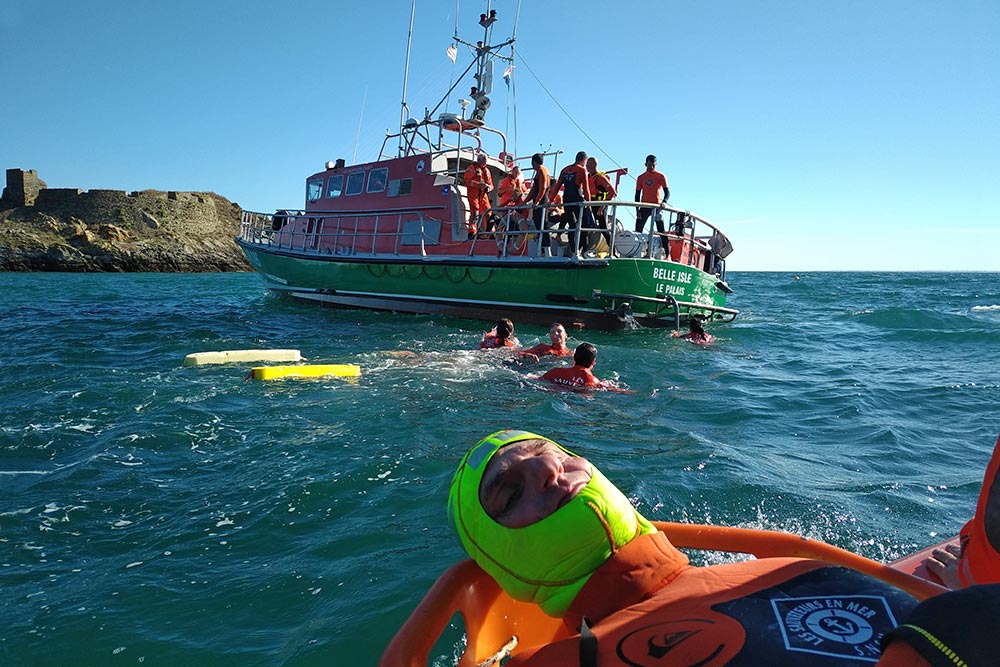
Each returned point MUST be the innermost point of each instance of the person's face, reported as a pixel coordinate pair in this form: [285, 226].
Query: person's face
[591, 165]
[650, 165]
[481, 160]
[529, 480]
[557, 334]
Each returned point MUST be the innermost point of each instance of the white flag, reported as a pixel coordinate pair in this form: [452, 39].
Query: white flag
[506, 74]
[452, 53]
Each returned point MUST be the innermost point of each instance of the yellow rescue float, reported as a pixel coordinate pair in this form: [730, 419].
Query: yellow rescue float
[305, 371]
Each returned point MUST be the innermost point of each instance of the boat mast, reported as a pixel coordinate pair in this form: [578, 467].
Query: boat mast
[404, 110]
[483, 62]
[484, 66]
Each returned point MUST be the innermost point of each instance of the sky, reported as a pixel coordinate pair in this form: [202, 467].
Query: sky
[860, 135]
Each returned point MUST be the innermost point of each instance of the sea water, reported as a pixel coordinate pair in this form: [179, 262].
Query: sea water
[157, 514]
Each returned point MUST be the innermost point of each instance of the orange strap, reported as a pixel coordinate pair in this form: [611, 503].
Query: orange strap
[770, 543]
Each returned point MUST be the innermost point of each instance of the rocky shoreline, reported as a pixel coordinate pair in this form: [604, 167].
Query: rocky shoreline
[43, 229]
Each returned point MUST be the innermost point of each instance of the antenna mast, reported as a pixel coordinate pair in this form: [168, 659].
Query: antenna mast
[361, 117]
[404, 111]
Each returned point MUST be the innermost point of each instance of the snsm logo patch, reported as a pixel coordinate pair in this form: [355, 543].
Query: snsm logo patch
[840, 625]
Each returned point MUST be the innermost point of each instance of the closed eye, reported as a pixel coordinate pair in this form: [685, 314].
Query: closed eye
[512, 499]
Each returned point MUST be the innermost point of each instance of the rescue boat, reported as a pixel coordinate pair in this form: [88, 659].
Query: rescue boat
[496, 626]
[396, 234]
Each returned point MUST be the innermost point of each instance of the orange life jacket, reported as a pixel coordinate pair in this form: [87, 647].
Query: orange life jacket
[492, 342]
[646, 607]
[978, 549]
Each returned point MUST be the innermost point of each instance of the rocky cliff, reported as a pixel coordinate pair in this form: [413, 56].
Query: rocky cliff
[45, 229]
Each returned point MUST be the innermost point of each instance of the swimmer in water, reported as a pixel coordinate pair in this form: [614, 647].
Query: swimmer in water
[696, 333]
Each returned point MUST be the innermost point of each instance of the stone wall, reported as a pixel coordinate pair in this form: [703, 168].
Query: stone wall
[67, 229]
[139, 211]
[22, 188]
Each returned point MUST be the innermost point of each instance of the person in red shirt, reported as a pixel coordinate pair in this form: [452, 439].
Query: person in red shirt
[647, 190]
[502, 335]
[557, 334]
[478, 183]
[696, 332]
[580, 375]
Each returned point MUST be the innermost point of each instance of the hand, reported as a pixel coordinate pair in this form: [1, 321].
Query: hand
[663, 204]
[945, 563]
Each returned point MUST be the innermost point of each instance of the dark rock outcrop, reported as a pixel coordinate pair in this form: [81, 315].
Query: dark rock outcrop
[45, 229]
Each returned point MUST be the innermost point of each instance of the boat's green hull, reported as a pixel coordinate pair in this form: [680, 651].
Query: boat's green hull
[600, 293]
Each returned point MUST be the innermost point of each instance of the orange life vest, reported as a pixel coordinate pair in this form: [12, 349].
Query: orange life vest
[646, 607]
[574, 377]
[980, 553]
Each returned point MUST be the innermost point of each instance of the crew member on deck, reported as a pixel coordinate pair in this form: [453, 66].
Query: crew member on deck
[647, 190]
[511, 192]
[576, 189]
[538, 195]
[478, 183]
[512, 189]
[601, 189]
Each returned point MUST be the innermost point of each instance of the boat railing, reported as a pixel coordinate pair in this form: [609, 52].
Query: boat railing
[687, 239]
[389, 231]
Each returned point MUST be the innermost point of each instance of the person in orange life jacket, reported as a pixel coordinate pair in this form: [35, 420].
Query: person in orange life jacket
[696, 332]
[601, 189]
[502, 335]
[575, 188]
[553, 531]
[512, 188]
[478, 183]
[557, 334]
[647, 190]
[511, 192]
[580, 375]
[976, 560]
[538, 195]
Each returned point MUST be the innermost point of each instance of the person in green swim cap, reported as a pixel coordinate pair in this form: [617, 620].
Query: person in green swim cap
[552, 530]
[538, 518]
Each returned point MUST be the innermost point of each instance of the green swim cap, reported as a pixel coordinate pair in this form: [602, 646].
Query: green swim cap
[549, 561]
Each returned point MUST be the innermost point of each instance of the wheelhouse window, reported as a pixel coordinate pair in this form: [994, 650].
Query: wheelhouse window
[399, 187]
[314, 189]
[376, 179]
[355, 183]
[335, 186]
